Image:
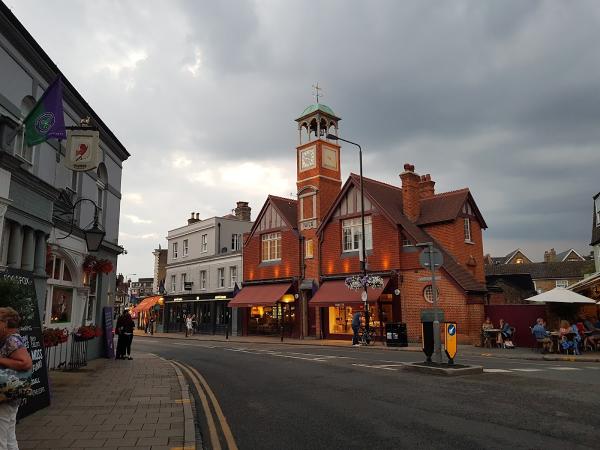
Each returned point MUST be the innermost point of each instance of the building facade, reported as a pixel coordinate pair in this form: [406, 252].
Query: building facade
[204, 270]
[299, 251]
[40, 231]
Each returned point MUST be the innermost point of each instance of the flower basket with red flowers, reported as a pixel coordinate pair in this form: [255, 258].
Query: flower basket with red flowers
[53, 336]
[91, 264]
[87, 332]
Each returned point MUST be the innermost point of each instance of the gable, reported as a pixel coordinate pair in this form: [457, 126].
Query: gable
[518, 257]
[270, 219]
[572, 255]
[349, 204]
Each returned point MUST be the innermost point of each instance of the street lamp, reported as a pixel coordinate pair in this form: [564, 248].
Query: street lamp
[363, 262]
[93, 236]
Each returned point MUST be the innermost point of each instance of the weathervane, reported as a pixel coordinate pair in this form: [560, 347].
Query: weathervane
[316, 93]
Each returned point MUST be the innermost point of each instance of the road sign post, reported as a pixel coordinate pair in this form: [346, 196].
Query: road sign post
[450, 341]
[431, 258]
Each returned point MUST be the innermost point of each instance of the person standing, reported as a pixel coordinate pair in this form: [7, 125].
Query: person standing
[189, 325]
[152, 320]
[355, 327]
[127, 326]
[120, 353]
[13, 355]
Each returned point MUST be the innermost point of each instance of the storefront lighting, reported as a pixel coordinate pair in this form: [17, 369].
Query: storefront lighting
[287, 298]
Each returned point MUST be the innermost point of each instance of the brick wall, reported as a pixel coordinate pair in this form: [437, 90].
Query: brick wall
[547, 285]
[289, 265]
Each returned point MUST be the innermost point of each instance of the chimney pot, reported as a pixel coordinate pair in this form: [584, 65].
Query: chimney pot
[407, 167]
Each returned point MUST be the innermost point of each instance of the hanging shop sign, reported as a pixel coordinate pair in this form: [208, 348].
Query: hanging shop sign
[17, 290]
[83, 151]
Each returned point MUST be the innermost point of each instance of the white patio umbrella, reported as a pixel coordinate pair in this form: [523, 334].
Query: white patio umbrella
[560, 295]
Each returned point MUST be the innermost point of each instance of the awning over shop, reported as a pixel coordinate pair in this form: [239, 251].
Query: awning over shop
[146, 304]
[333, 293]
[260, 295]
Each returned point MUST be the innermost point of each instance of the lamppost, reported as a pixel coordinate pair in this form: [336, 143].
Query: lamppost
[93, 236]
[363, 262]
[437, 340]
[129, 286]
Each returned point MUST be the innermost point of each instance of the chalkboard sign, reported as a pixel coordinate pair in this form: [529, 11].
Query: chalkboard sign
[17, 290]
[109, 348]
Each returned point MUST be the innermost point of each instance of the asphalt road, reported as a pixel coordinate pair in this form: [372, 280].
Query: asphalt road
[302, 397]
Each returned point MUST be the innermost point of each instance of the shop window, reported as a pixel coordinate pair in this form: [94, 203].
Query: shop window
[352, 234]
[62, 301]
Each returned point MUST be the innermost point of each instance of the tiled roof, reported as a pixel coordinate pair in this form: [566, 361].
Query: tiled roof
[388, 199]
[446, 206]
[288, 208]
[542, 270]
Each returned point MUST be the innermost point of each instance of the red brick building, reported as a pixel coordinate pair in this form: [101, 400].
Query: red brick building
[317, 238]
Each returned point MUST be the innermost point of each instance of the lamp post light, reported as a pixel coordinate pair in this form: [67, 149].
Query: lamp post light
[93, 236]
[363, 251]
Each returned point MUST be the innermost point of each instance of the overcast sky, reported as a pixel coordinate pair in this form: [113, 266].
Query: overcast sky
[500, 96]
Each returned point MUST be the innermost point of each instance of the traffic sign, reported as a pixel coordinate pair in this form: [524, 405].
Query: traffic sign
[436, 256]
[450, 341]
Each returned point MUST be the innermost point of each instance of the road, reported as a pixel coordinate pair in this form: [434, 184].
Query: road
[305, 397]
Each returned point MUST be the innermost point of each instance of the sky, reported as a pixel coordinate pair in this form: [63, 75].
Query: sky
[499, 96]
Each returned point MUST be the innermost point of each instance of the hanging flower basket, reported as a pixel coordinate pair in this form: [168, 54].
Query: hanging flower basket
[87, 332]
[358, 282]
[51, 337]
[91, 265]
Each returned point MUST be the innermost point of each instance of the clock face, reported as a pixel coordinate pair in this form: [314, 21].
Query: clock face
[330, 158]
[307, 158]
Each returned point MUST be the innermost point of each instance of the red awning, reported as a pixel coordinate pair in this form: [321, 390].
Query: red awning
[333, 293]
[146, 304]
[259, 295]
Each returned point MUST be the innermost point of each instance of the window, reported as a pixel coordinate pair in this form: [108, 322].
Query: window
[22, 150]
[175, 253]
[428, 294]
[62, 300]
[562, 283]
[406, 242]
[235, 241]
[597, 203]
[185, 247]
[271, 246]
[173, 284]
[232, 276]
[60, 290]
[101, 184]
[468, 230]
[351, 234]
[203, 279]
[204, 243]
[221, 276]
[183, 278]
[308, 248]
[519, 261]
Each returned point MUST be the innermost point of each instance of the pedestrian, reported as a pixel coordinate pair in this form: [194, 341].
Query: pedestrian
[152, 320]
[120, 337]
[194, 324]
[188, 325]
[13, 355]
[355, 327]
[127, 326]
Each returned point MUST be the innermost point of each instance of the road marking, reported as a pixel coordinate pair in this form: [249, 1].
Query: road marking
[223, 421]
[194, 345]
[212, 430]
[564, 368]
[280, 355]
[527, 370]
[496, 370]
[381, 367]
[591, 367]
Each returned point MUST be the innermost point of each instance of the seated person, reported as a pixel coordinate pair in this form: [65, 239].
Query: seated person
[487, 325]
[568, 337]
[594, 337]
[505, 335]
[541, 335]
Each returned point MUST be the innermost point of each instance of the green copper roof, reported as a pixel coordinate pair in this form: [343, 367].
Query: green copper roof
[318, 107]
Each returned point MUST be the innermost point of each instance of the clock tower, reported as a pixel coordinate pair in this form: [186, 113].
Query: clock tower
[319, 178]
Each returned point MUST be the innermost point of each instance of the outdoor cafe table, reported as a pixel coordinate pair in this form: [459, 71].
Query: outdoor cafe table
[555, 336]
[491, 336]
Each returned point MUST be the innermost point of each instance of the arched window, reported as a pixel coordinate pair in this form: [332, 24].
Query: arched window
[60, 290]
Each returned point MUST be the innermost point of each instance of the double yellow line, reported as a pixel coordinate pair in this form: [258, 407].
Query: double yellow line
[205, 394]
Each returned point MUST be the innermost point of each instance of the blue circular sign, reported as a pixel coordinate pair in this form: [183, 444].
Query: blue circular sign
[452, 330]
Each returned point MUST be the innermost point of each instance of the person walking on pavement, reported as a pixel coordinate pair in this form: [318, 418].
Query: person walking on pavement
[355, 327]
[189, 326]
[13, 355]
[127, 329]
[151, 323]
[121, 337]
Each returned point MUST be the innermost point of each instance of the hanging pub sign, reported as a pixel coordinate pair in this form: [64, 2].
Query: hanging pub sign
[83, 151]
[17, 291]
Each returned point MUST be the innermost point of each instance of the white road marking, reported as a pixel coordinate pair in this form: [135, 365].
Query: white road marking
[564, 368]
[591, 367]
[194, 345]
[382, 367]
[527, 370]
[496, 370]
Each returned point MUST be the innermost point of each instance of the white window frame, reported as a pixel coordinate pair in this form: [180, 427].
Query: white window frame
[271, 247]
[173, 283]
[562, 283]
[467, 229]
[175, 250]
[221, 277]
[309, 249]
[183, 280]
[232, 276]
[185, 248]
[203, 279]
[204, 243]
[351, 234]
[235, 241]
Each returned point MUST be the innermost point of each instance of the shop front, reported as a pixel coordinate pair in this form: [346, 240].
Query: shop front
[210, 313]
[268, 310]
[149, 308]
[337, 304]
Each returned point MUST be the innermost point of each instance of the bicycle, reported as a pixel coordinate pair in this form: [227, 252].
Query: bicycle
[367, 337]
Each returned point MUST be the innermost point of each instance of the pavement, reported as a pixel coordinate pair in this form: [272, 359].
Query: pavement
[522, 353]
[114, 404]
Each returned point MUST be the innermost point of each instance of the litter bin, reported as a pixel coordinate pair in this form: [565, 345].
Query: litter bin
[396, 335]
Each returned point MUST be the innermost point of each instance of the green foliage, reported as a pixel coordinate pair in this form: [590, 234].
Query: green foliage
[19, 296]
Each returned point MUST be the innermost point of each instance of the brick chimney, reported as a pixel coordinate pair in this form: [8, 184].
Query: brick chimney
[410, 192]
[550, 255]
[194, 218]
[426, 187]
[242, 211]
